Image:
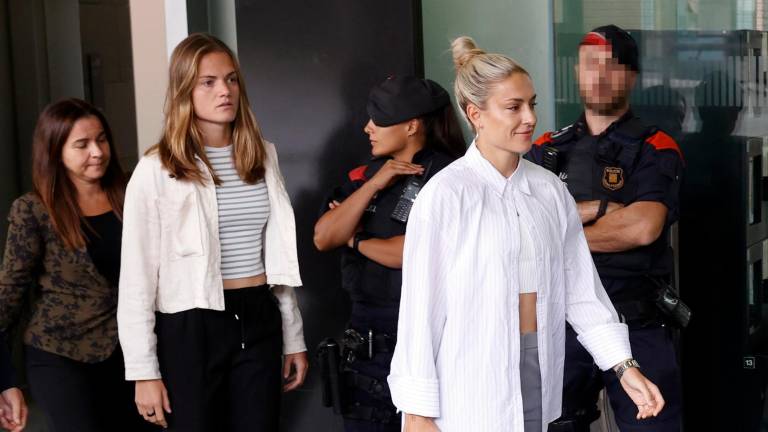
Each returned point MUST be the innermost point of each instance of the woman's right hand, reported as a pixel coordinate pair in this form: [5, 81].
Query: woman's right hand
[414, 423]
[391, 169]
[152, 401]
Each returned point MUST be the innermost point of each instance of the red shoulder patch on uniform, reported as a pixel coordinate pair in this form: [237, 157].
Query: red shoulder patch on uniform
[662, 141]
[544, 139]
[358, 174]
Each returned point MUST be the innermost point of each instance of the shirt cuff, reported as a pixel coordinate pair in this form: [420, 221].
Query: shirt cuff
[141, 372]
[608, 344]
[416, 396]
[294, 345]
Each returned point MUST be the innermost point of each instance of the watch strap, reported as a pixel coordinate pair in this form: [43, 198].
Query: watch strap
[626, 364]
[601, 209]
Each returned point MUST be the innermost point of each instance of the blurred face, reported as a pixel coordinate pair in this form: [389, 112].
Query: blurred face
[604, 83]
[387, 140]
[509, 118]
[86, 153]
[216, 94]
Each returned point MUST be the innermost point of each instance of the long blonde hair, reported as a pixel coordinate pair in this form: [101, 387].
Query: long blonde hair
[477, 72]
[182, 139]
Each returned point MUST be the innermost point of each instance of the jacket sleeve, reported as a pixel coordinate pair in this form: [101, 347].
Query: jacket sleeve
[293, 327]
[7, 377]
[24, 249]
[140, 261]
[283, 284]
[413, 379]
[587, 306]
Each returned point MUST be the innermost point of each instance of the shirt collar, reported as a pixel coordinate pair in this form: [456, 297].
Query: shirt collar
[518, 180]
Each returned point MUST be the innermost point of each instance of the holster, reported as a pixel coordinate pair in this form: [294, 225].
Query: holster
[670, 304]
[337, 375]
[329, 359]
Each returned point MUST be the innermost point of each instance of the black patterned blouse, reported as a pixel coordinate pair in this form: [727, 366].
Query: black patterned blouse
[74, 309]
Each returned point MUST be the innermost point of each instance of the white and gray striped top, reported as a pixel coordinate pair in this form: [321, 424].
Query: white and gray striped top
[243, 213]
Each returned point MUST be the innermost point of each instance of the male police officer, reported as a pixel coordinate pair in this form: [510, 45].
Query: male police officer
[625, 177]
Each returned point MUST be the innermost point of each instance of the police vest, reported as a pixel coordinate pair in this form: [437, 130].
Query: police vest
[366, 280]
[604, 167]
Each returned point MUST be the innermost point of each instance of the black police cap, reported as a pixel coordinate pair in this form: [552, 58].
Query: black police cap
[623, 46]
[401, 98]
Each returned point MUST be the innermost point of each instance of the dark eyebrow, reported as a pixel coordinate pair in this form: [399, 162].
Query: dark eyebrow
[214, 77]
[102, 133]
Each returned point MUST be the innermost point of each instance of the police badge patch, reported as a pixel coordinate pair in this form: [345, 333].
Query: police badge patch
[613, 178]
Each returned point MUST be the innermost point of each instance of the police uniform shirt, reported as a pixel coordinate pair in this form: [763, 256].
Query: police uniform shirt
[366, 280]
[629, 162]
[458, 352]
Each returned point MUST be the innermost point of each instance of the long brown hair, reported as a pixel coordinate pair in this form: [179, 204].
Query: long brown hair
[181, 141]
[49, 175]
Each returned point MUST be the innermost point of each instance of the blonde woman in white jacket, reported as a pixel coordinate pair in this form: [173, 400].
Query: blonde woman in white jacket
[481, 331]
[207, 305]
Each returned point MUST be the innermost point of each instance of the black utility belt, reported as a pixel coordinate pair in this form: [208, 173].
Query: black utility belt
[665, 307]
[639, 314]
[365, 345]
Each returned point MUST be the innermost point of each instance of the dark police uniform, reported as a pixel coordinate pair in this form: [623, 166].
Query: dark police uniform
[375, 293]
[629, 162]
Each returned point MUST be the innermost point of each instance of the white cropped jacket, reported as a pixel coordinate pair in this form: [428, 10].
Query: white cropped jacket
[171, 257]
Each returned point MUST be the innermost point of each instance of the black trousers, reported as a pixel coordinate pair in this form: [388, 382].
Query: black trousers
[83, 397]
[223, 369]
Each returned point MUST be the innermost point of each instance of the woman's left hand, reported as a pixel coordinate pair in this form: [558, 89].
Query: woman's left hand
[643, 393]
[294, 370]
[13, 410]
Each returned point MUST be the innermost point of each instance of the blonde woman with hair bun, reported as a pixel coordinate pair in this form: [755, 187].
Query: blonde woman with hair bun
[495, 262]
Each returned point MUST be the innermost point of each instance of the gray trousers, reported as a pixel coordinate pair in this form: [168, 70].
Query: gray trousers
[530, 381]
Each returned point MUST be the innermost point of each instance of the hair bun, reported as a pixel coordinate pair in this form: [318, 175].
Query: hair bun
[464, 49]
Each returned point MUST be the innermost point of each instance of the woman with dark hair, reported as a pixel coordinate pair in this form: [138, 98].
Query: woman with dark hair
[414, 133]
[208, 313]
[64, 245]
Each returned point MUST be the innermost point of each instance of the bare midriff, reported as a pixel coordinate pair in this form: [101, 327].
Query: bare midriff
[245, 282]
[528, 313]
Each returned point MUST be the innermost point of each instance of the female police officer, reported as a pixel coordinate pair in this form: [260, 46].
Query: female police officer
[414, 133]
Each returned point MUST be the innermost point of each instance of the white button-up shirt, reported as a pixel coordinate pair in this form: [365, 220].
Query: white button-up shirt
[458, 343]
[171, 257]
